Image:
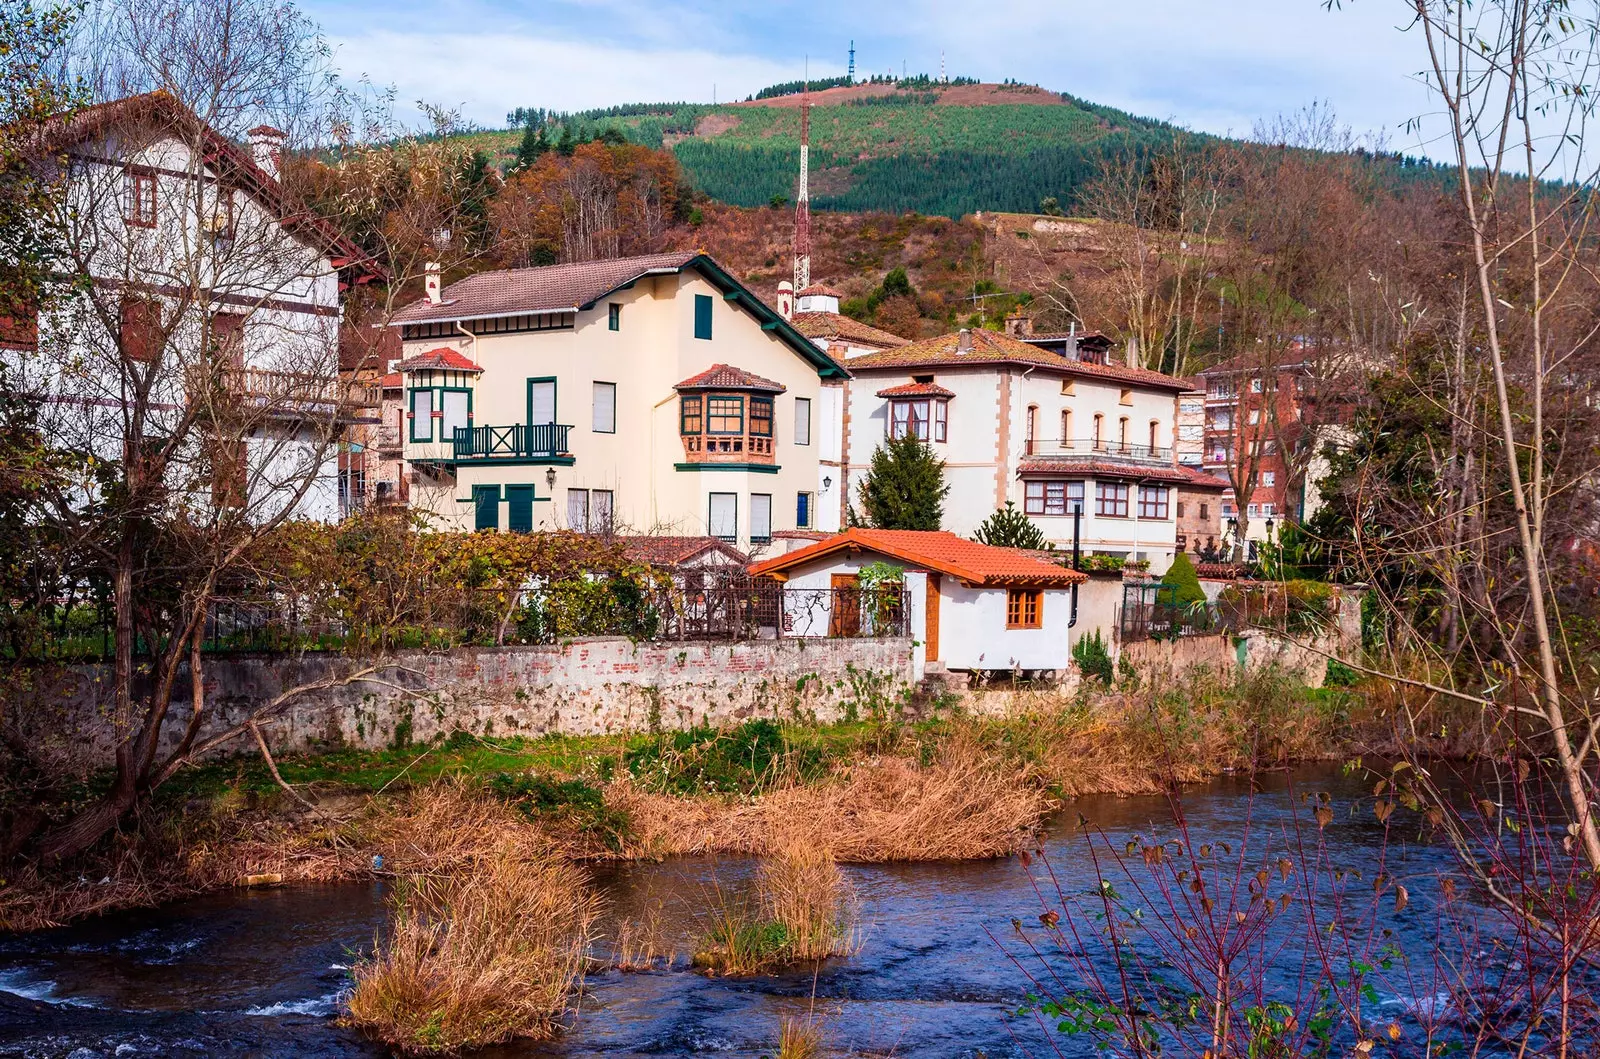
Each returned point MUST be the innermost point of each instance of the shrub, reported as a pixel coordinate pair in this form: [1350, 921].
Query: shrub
[1093, 659]
[573, 801]
[477, 957]
[1181, 577]
[743, 760]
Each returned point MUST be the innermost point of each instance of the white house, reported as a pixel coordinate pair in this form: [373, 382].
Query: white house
[968, 606]
[1053, 431]
[649, 394]
[207, 301]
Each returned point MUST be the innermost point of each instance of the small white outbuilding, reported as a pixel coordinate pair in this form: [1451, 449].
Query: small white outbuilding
[968, 606]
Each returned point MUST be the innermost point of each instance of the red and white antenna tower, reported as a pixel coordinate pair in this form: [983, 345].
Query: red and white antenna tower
[802, 199]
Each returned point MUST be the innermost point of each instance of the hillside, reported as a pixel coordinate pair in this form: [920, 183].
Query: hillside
[909, 146]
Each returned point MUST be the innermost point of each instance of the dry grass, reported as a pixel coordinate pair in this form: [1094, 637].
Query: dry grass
[799, 1038]
[804, 911]
[640, 944]
[478, 957]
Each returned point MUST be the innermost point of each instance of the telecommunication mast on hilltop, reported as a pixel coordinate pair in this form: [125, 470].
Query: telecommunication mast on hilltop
[802, 199]
[852, 76]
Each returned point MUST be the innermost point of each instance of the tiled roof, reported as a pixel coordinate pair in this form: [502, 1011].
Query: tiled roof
[835, 325]
[160, 110]
[390, 381]
[440, 359]
[816, 289]
[1059, 336]
[551, 288]
[675, 551]
[728, 377]
[916, 389]
[992, 347]
[936, 550]
[1219, 571]
[1144, 472]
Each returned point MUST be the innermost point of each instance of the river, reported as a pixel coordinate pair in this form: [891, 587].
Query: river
[260, 972]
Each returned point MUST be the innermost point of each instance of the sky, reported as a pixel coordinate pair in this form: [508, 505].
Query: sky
[1216, 66]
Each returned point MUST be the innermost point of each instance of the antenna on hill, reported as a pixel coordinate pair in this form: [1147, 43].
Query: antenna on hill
[802, 198]
[852, 75]
[942, 78]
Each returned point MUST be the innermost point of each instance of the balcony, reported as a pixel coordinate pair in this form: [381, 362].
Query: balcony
[1097, 448]
[389, 439]
[539, 441]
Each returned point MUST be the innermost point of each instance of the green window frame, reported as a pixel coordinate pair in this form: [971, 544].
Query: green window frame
[447, 436]
[702, 316]
[421, 425]
[614, 316]
[519, 508]
[724, 414]
[761, 417]
[690, 418]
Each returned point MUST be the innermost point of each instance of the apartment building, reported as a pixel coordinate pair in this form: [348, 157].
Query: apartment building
[1053, 430]
[1254, 420]
[650, 394]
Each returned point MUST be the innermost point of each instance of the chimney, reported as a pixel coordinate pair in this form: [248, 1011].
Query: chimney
[1019, 324]
[266, 148]
[1072, 341]
[786, 300]
[964, 340]
[430, 282]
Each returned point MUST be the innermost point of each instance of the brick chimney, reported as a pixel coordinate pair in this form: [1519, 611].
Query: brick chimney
[430, 282]
[964, 340]
[266, 148]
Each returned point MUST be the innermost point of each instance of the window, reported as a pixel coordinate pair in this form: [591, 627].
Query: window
[1155, 435]
[1255, 416]
[802, 420]
[454, 405]
[1153, 501]
[614, 316]
[1191, 407]
[519, 508]
[1066, 424]
[1253, 510]
[1191, 432]
[1227, 509]
[1127, 397]
[702, 316]
[1122, 433]
[1222, 420]
[802, 511]
[724, 415]
[926, 419]
[1205, 512]
[722, 516]
[1099, 428]
[1180, 509]
[1269, 478]
[941, 411]
[761, 417]
[1267, 510]
[139, 190]
[1024, 608]
[1111, 499]
[601, 510]
[1255, 385]
[578, 510]
[1052, 498]
[485, 507]
[605, 408]
[421, 415]
[689, 418]
[227, 339]
[760, 517]
[1033, 421]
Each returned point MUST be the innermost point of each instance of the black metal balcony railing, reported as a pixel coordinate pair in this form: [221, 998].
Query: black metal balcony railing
[1099, 448]
[520, 441]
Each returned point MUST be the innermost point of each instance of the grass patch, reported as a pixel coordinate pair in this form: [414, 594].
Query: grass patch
[477, 957]
[749, 759]
[573, 803]
[804, 911]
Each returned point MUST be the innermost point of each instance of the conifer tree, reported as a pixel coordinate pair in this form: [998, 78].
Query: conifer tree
[1010, 528]
[1181, 577]
[905, 487]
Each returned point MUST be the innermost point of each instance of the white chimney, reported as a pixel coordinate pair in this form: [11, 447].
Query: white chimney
[430, 282]
[786, 299]
[266, 148]
[964, 340]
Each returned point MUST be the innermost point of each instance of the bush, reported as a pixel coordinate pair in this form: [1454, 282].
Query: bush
[573, 801]
[743, 760]
[1181, 577]
[1093, 659]
[905, 486]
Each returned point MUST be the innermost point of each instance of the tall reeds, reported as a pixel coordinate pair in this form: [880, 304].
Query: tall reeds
[803, 911]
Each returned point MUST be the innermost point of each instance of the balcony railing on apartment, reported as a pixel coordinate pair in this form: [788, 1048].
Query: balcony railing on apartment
[389, 438]
[1097, 448]
[521, 441]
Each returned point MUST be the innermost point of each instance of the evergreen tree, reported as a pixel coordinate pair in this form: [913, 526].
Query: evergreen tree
[532, 146]
[1181, 577]
[1009, 528]
[905, 488]
[568, 143]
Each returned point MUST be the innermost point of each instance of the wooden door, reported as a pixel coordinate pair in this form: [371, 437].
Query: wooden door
[844, 617]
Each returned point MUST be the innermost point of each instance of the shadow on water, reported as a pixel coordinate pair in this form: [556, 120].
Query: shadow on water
[259, 973]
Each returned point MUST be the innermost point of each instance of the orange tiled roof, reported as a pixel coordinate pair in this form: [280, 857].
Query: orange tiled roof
[675, 551]
[916, 389]
[727, 377]
[835, 325]
[817, 289]
[939, 551]
[992, 347]
[440, 359]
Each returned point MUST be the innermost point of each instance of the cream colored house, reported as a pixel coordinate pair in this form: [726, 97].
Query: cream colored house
[638, 395]
[1051, 431]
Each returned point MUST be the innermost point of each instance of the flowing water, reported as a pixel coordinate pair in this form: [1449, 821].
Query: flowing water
[260, 972]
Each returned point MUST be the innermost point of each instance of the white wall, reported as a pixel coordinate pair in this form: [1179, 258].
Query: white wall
[973, 633]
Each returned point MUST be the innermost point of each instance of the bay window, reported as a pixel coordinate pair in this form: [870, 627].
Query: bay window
[926, 419]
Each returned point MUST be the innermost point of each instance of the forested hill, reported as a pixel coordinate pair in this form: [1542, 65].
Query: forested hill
[914, 145]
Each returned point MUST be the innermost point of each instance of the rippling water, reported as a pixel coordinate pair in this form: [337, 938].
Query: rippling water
[260, 972]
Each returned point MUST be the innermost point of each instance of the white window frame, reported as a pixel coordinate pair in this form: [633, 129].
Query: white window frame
[732, 516]
[462, 400]
[603, 407]
[760, 512]
[802, 420]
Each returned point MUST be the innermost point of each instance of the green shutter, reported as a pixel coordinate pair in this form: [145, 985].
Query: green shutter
[702, 316]
[519, 508]
[486, 507]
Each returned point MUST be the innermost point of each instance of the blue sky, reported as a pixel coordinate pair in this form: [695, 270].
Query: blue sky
[1212, 65]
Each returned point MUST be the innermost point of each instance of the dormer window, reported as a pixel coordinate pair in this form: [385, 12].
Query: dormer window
[920, 409]
[725, 416]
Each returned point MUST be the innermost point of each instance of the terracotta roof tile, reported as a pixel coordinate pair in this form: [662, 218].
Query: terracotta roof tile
[440, 359]
[816, 289]
[1145, 472]
[391, 381]
[835, 325]
[728, 377]
[551, 288]
[937, 550]
[916, 389]
[675, 551]
[992, 347]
